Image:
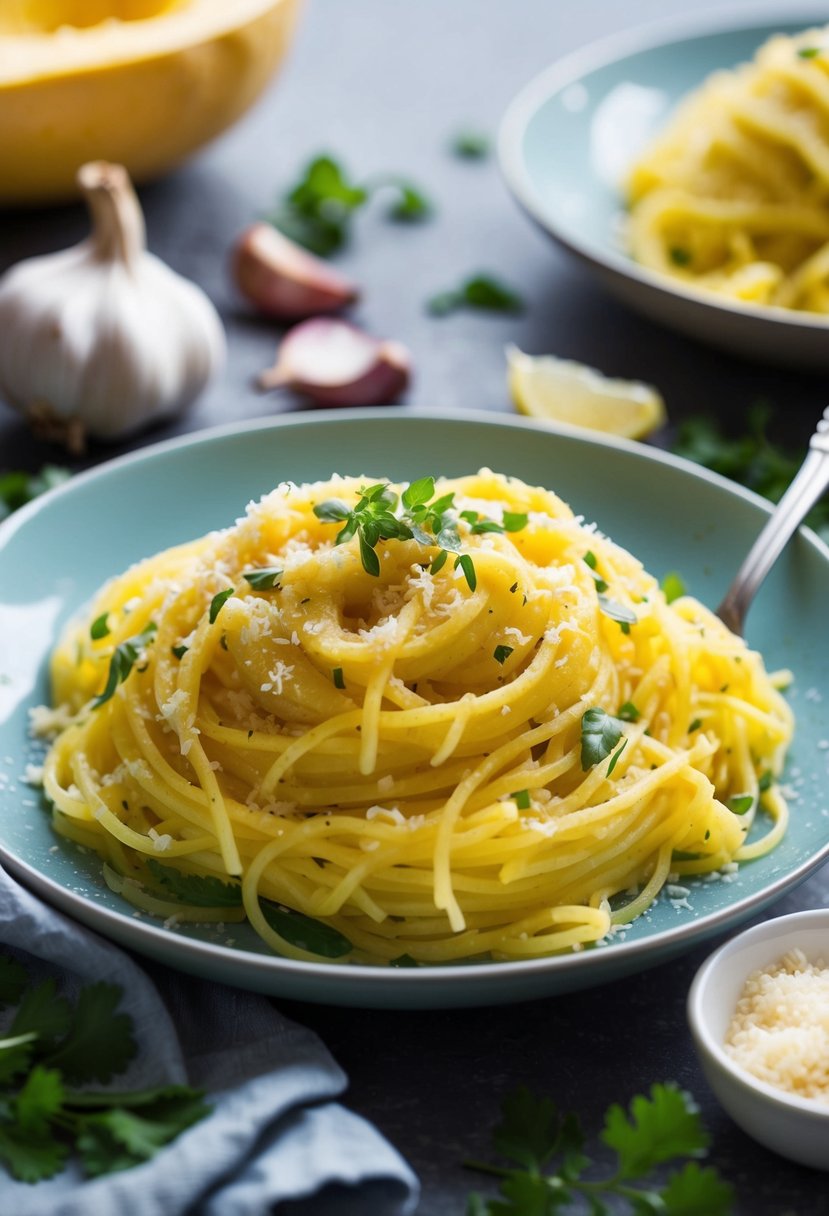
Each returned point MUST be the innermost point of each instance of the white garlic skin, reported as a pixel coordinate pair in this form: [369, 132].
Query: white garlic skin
[114, 343]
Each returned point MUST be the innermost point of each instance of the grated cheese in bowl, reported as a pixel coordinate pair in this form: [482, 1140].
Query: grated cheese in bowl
[780, 1029]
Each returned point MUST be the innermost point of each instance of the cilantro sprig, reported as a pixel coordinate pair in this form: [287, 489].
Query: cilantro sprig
[54, 1045]
[549, 1172]
[206, 891]
[416, 514]
[318, 209]
[753, 459]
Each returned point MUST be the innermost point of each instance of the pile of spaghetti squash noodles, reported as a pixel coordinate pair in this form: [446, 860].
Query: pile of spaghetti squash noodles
[500, 754]
[733, 196]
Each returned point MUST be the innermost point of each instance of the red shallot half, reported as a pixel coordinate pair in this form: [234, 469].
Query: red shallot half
[335, 363]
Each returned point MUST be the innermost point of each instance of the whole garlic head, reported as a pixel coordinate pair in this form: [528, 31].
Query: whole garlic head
[102, 339]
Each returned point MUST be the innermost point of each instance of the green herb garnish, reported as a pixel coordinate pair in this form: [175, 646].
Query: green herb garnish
[590, 561]
[614, 759]
[53, 1045]
[124, 658]
[218, 602]
[521, 798]
[337, 677]
[765, 781]
[201, 890]
[306, 934]
[206, 891]
[672, 586]
[481, 292]
[741, 803]
[179, 651]
[99, 627]
[418, 515]
[679, 256]
[600, 732]
[628, 712]
[263, 580]
[501, 653]
[317, 211]
[752, 459]
[547, 1164]
[17, 488]
[471, 145]
[808, 52]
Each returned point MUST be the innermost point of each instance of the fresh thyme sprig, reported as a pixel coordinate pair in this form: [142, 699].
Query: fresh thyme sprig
[380, 514]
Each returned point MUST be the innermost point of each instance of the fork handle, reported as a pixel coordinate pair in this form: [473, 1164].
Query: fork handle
[811, 480]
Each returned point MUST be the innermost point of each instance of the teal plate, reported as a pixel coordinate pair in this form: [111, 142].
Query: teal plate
[569, 136]
[58, 550]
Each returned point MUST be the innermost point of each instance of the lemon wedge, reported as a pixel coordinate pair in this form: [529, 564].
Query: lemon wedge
[562, 391]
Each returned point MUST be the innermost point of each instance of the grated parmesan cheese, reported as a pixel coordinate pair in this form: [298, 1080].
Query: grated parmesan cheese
[780, 1029]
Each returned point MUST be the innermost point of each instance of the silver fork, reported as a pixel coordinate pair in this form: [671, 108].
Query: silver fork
[811, 480]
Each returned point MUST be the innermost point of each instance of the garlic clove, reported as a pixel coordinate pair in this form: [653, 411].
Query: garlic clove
[103, 339]
[284, 281]
[335, 363]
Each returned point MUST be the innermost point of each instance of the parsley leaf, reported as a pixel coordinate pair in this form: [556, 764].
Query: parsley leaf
[99, 1043]
[41, 1119]
[654, 1129]
[124, 658]
[471, 145]
[312, 935]
[672, 586]
[528, 1132]
[218, 602]
[201, 890]
[628, 712]
[43, 1013]
[752, 459]
[808, 52]
[99, 627]
[18, 488]
[317, 211]
[29, 1159]
[547, 1163]
[501, 653]
[481, 292]
[740, 804]
[600, 732]
[263, 580]
[697, 1192]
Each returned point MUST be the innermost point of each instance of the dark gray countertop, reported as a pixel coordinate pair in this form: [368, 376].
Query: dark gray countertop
[384, 86]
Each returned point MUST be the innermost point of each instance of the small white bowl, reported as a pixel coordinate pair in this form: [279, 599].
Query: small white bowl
[797, 1128]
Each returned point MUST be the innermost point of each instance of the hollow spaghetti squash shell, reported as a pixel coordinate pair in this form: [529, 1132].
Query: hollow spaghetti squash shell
[143, 92]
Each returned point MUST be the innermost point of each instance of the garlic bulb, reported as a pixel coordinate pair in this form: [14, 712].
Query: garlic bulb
[101, 339]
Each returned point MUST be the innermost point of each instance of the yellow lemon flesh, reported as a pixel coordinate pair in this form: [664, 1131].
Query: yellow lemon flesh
[139, 82]
[561, 391]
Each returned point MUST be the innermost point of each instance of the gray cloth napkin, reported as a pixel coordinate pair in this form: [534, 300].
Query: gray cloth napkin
[275, 1140]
